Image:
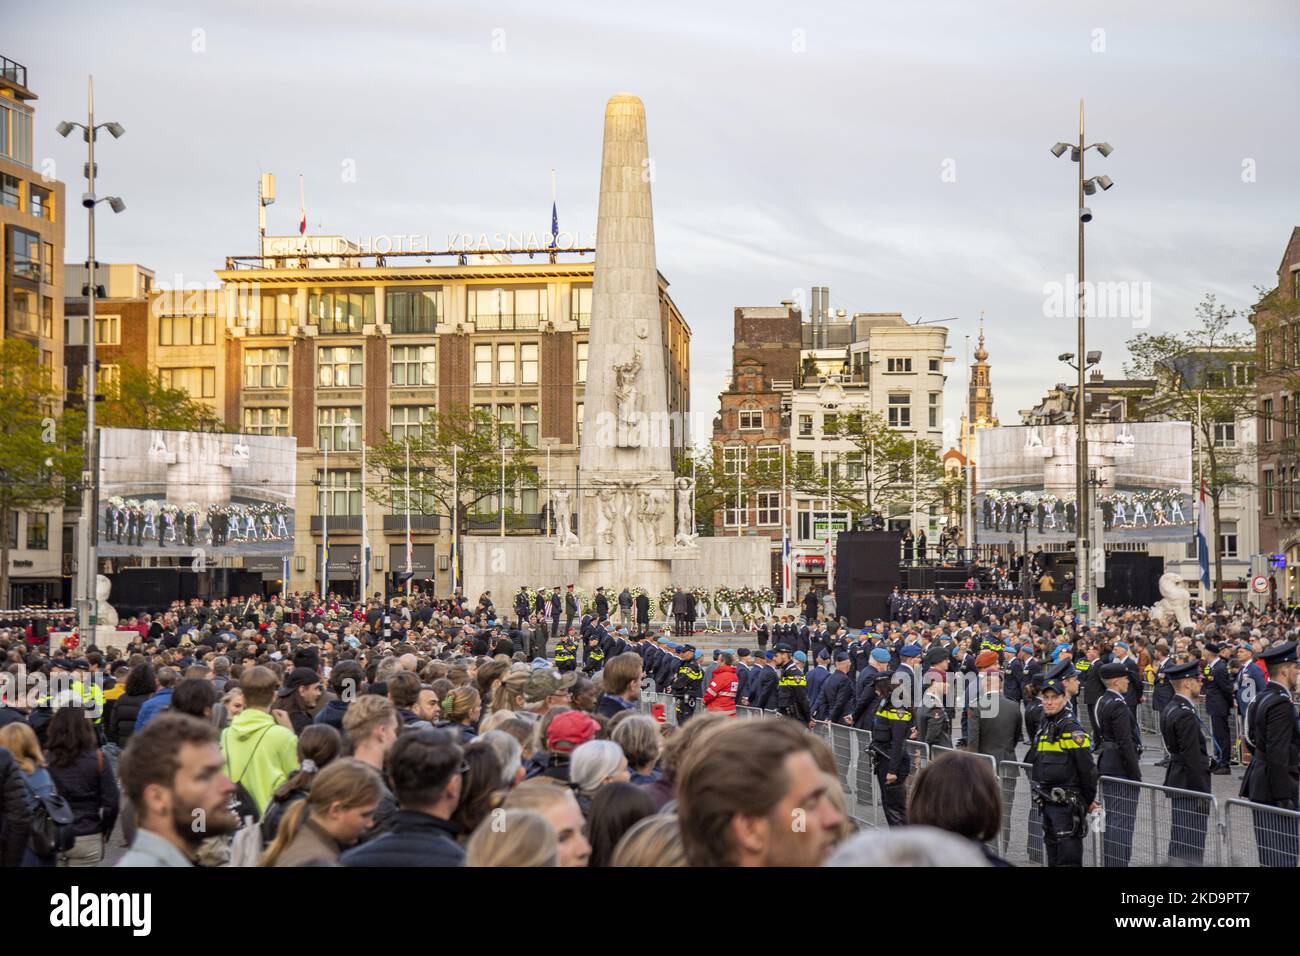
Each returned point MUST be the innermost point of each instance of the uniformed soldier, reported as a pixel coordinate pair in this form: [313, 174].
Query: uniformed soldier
[891, 727]
[791, 687]
[1273, 777]
[1062, 776]
[566, 653]
[1162, 695]
[688, 685]
[1218, 704]
[1117, 756]
[1189, 765]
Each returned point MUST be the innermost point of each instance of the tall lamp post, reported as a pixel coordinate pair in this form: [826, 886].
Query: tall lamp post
[87, 618]
[1086, 187]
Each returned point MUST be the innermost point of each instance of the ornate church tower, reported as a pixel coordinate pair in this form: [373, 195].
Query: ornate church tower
[979, 401]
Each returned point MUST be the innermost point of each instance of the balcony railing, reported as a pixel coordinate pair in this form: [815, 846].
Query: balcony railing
[418, 522]
[13, 72]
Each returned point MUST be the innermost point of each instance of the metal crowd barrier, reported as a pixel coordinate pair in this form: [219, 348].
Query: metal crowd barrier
[1150, 825]
[1256, 835]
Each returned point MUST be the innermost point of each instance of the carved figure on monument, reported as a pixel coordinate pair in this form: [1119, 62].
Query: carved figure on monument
[626, 508]
[105, 613]
[653, 505]
[1175, 601]
[626, 392]
[607, 513]
[562, 499]
[685, 514]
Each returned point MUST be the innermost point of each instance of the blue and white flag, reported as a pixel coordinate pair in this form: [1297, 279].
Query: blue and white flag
[1202, 540]
[555, 226]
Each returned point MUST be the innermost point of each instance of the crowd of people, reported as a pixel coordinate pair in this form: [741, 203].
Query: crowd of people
[436, 732]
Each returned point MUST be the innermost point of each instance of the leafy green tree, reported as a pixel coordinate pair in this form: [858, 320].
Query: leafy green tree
[39, 458]
[455, 466]
[139, 399]
[1205, 375]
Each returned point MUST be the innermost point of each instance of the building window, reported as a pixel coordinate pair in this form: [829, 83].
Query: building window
[107, 380]
[734, 459]
[1228, 540]
[1287, 424]
[767, 456]
[934, 409]
[855, 466]
[900, 411]
[338, 428]
[413, 365]
[529, 425]
[410, 421]
[16, 132]
[804, 461]
[339, 366]
[9, 190]
[506, 364]
[187, 330]
[579, 411]
[1268, 491]
[47, 317]
[528, 363]
[830, 424]
[580, 350]
[40, 203]
[198, 382]
[1225, 435]
[734, 510]
[413, 310]
[266, 368]
[769, 508]
[580, 306]
[936, 365]
[506, 309]
[482, 365]
[805, 426]
[751, 420]
[13, 531]
[266, 421]
[108, 330]
[898, 365]
[1266, 413]
[47, 262]
[272, 315]
[339, 492]
[38, 531]
[25, 254]
[340, 311]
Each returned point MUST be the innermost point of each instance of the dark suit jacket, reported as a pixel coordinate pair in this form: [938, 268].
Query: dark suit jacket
[995, 727]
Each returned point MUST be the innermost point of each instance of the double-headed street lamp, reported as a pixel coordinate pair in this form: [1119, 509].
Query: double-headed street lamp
[1086, 187]
[87, 619]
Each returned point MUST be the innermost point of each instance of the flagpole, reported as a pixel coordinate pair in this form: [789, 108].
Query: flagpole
[365, 531]
[455, 518]
[302, 207]
[325, 520]
[410, 573]
[785, 541]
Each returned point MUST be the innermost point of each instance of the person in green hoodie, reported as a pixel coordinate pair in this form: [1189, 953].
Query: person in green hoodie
[260, 752]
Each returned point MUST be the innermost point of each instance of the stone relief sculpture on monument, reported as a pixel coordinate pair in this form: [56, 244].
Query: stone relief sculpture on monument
[653, 504]
[685, 514]
[626, 393]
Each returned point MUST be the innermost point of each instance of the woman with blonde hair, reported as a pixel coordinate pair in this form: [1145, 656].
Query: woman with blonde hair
[20, 740]
[509, 692]
[653, 841]
[461, 709]
[513, 838]
[339, 808]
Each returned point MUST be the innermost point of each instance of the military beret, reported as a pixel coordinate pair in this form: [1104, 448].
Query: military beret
[910, 650]
[1112, 670]
[985, 660]
[841, 656]
[880, 655]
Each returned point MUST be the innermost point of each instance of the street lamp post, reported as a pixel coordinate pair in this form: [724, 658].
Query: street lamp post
[1086, 187]
[87, 618]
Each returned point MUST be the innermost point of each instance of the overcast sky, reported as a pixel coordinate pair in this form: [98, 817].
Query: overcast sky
[895, 152]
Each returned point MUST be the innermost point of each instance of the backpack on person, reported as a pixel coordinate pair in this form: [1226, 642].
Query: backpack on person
[52, 818]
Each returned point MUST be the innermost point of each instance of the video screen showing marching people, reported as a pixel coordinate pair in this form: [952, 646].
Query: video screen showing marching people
[1025, 478]
[167, 493]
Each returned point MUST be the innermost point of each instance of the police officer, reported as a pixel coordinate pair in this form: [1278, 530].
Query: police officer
[1062, 776]
[594, 658]
[1162, 695]
[1273, 777]
[1218, 704]
[1117, 756]
[688, 685]
[791, 687]
[1189, 766]
[891, 727]
[566, 653]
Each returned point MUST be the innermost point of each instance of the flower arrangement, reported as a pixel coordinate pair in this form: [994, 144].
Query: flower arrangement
[703, 600]
[766, 601]
[725, 598]
[665, 600]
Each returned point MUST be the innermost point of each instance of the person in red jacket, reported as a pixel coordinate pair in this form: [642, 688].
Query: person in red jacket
[720, 695]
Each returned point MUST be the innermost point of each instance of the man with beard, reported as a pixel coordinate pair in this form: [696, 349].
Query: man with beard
[173, 773]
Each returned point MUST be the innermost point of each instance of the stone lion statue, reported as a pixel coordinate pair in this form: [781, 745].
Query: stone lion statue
[1175, 601]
